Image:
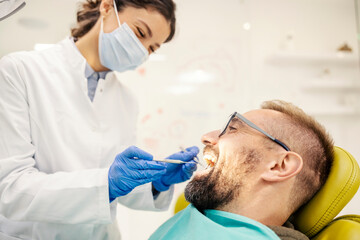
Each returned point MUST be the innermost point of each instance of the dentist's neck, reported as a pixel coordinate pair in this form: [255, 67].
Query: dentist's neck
[88, 46]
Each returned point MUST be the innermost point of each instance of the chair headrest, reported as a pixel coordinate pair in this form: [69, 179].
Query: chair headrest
[341, 185]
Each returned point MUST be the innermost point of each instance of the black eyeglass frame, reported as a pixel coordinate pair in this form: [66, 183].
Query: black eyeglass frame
[252, 125]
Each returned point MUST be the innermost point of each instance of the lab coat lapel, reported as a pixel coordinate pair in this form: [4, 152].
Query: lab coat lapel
[77, 61]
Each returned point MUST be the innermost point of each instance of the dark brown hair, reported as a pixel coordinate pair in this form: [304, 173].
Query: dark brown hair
[305, 136]
[89, 13]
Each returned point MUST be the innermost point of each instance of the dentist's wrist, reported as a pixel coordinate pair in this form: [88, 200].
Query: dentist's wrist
[160, 186]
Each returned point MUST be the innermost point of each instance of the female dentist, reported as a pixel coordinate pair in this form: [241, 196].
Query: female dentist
[64, 118]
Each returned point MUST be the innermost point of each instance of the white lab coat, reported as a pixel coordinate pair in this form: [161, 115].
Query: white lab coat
[56, 147]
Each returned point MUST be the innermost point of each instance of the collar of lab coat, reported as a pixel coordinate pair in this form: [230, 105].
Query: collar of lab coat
[76, 62]
[72, 55]
[88, 69]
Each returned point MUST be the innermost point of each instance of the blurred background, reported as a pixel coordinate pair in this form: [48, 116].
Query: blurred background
[226, 56]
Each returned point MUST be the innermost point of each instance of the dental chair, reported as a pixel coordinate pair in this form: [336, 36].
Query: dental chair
[316, 218]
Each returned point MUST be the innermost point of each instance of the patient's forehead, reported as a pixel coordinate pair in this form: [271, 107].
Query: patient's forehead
[263, 115]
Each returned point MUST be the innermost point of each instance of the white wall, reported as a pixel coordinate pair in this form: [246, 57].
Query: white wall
[214, 67]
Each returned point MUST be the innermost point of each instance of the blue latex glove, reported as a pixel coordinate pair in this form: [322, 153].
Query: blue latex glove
[177, 173]
[131, 168]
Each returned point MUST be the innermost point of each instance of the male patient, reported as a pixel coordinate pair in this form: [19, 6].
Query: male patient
[267, 163]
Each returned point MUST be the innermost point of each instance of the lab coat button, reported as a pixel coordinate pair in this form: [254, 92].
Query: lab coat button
[101, 89]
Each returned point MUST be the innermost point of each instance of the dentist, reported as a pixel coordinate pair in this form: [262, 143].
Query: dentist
[66, 122]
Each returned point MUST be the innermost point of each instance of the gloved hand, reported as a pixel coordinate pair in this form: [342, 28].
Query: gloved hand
[177, 173]
[131, 168]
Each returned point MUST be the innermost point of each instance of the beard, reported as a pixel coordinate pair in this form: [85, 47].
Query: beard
[205, 193]
[216, 189]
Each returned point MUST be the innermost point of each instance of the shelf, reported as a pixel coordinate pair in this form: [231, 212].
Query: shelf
[335, 111]
[332, 85]
[310, 58]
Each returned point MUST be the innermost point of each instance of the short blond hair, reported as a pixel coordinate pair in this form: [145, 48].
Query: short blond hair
[307, 137]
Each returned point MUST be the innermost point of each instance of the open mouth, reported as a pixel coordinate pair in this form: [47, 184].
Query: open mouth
[210, 160]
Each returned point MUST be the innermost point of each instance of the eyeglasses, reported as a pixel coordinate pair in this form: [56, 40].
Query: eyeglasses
[252, 125]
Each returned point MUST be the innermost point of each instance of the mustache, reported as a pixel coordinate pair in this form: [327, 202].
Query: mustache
[211, 150]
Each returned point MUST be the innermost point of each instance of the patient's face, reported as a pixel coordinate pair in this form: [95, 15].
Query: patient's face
[238, 155]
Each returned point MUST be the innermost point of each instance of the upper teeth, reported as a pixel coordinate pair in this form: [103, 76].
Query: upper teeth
[210, 160]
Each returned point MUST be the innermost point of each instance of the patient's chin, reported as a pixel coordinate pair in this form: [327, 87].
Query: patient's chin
[205, 192]
[218, 186]
[202, 173]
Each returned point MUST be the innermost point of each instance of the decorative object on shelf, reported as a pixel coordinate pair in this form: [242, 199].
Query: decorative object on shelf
[295, 57]
[288, 42]
[345, 48]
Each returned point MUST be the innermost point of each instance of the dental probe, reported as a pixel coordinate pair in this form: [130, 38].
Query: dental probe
[197, 159]
[167, 160]
[170, 161]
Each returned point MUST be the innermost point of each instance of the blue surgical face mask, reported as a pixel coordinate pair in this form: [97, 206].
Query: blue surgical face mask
[121, 50]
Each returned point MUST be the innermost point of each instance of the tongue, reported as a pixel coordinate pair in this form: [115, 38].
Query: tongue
[210, 160]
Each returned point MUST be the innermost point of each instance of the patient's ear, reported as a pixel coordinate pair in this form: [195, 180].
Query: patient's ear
[287, 166]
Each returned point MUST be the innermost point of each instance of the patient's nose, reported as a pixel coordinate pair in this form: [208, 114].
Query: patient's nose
[210, 138]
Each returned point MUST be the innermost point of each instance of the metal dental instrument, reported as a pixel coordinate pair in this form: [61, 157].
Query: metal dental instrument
[175, 160]
[167, 160]
[197, 159]
[170, 161]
